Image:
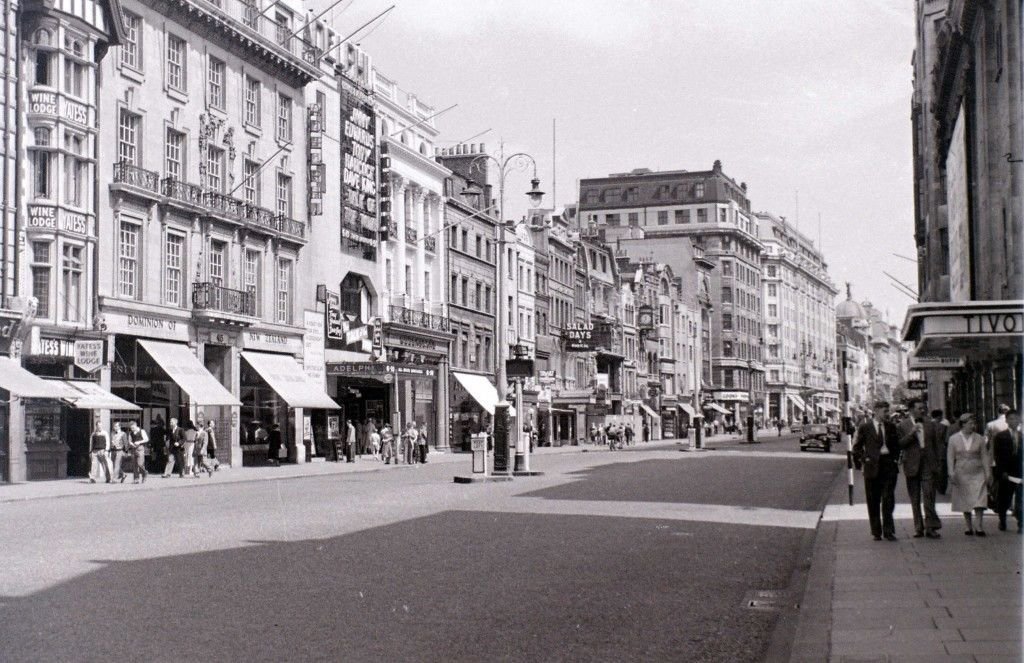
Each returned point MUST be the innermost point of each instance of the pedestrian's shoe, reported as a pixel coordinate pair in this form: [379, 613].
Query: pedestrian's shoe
[980, 532]
[918, 535]
[877, 537]
[166, 476]
[91, 480]
[890, 537]
[143, 478]
[123, 478]
[1002, 524]
[932, 534]
[969, 532]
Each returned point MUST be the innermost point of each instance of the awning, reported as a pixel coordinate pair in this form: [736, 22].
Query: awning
[688, 409]
[797, 401]
[953, 330]
[184, 368]
[289, 381]
[85, 395]
[828, 407]
[648, 410]
[20, 382]
[482, 391]
[717, 408]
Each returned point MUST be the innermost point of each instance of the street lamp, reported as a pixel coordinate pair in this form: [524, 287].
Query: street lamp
[518, 161]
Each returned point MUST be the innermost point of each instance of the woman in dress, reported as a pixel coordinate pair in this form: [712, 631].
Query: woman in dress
[970, 471]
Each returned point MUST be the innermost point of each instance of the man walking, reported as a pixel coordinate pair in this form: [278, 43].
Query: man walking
[118, 449]
[174, 442]
[876, 451]
[137, 441]
[99, 443]
[922, 451]
[1006, 447]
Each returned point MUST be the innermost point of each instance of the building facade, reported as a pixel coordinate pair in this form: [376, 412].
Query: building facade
[968, 156]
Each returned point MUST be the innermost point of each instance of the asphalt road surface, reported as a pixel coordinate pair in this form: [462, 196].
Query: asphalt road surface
[650, 554]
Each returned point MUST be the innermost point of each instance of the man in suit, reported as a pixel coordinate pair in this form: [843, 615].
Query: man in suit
[876, 450]
[922, 454]
[1006, 447]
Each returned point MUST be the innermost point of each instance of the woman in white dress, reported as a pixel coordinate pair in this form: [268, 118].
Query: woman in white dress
[970, 471]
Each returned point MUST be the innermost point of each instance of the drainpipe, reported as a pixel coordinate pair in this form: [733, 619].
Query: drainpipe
[19, 159]
[7, 155]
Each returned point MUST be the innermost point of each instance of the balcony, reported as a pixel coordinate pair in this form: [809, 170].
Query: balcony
[139, 178]
[182, 192]
[289, 226]
[430, 243]
[411, 236]
[224, 206]
[421, 319]
[259, 217]
[214, 301]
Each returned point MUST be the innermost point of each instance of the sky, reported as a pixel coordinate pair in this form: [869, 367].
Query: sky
[807, 101]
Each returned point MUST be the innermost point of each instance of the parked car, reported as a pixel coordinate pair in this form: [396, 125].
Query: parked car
[816, 436]
[796, 428]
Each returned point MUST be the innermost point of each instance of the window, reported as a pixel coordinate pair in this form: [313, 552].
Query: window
[251, 185]
[215, 82]
[284, 118]
[252, 101]
[773, 310]
[772, 271]
[698, 190]
[408, 280]
[45, 66]
[131, 51]
[218, 251]
[479, 245]
[727, 378]
[284, 289]
[663, 217]
[174, 155]
[634, 219]
[215, 168]
[283, 28]
[284, 195]
[42, 175]
[726, 268]
[487, 298]
[682, 216]
[41, 277]
[128, 137]
[702, 216]
[727, 321]
[772, 290]
[72, 282]
[611, 219]
[465, 291]
[176, 63]
[251, 276]
[722, 215]
[727, 295]
[75, 75]
[128, 260]
[478, 301]
[426, 285]
[174, 262]
[75, 168]
[453, 289]
[465, 241]
[726, 348]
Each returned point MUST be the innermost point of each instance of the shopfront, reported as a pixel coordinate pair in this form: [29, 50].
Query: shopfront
[473, 399]
[420, 358]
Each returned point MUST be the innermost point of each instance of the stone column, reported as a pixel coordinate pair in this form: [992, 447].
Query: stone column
[419, 259]
[398, 243]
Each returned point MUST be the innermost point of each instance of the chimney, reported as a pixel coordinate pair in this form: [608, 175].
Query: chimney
[718, 166]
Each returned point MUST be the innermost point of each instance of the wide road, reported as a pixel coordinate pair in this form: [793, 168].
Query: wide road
[648, 554]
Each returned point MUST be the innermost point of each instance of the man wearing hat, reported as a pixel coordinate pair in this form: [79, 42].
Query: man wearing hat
[877, 451]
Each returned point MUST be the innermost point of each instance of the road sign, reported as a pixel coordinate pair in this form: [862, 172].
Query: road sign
[88, 355]
[917, 384]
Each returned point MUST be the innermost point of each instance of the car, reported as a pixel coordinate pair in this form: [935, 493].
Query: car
[816, 436]
[796, 428]
[833, 431]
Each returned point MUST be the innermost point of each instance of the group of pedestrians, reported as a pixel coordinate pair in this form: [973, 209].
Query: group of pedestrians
[410, 446]
[979, 471]
[108, 452]
[192, 449]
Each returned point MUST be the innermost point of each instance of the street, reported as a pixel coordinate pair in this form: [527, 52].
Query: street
[649, 554]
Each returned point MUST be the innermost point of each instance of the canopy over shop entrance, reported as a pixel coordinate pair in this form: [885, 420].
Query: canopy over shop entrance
[85, 395]
[688, 409]
[482, 391]
[649, 411]
[718, 408]
[284, 375]
[188, 373]
[20, 382]
[797, 401]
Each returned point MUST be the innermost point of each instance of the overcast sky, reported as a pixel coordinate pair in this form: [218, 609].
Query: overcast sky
[799, 99]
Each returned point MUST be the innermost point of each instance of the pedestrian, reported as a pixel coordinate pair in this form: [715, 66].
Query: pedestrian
[202, 447]
[188, 448]
[118, 449]
[778, 424]
[1006, 449]
[629, 435]
[277, 442]
[593, 433]
[876, 451]
[422, 445]
[997, 425]
[350, 442]
[374, 440]
[612, 435]
[157, 444]
[211, 444]
[970, 473]
[647, 432]
[922, 451]
[387, 442]
[99, 444]
[408, 438]
[136, 444]
[175, 439]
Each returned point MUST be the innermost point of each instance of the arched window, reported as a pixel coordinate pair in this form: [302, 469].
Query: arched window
[42, 37]
[405, 138]
[423, 148]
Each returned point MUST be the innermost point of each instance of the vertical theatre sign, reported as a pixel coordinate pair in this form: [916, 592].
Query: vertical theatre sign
[359, 167]
[315, 141]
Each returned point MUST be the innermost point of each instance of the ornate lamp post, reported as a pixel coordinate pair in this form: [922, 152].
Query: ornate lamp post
[519, 161]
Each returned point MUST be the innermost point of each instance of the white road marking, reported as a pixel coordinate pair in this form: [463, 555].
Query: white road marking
[708, 513]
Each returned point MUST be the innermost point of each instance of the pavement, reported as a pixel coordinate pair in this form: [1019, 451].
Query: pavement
[957, 598]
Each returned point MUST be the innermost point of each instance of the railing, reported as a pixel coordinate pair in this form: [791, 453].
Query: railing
[291, 226]
[132, 175]
[407, 316]
[213, 297]
[430, 243]
[225, 205]
[259, 216]
[411, 235]
[182, 191]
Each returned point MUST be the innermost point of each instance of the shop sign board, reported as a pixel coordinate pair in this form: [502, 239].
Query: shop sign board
[49, 217]
[377, 337]
[359, 156]
[313, 355]
[519, 368]
[377, 370]
[88, 355]
[334, 321]
[260, 340]
[917, 385]
[138, 324]
[732, 396]
[546, 376]
[47, 346]
[10, 327]
[975, 325]
[935, 363]
[49, 103]
[586, 337]
[415, 343]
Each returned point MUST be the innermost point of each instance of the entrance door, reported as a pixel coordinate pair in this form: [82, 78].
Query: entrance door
[76, 433]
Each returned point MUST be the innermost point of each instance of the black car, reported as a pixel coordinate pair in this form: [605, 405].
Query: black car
[816, 436]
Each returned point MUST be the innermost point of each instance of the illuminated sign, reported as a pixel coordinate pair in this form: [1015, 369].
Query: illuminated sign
[359, 157]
